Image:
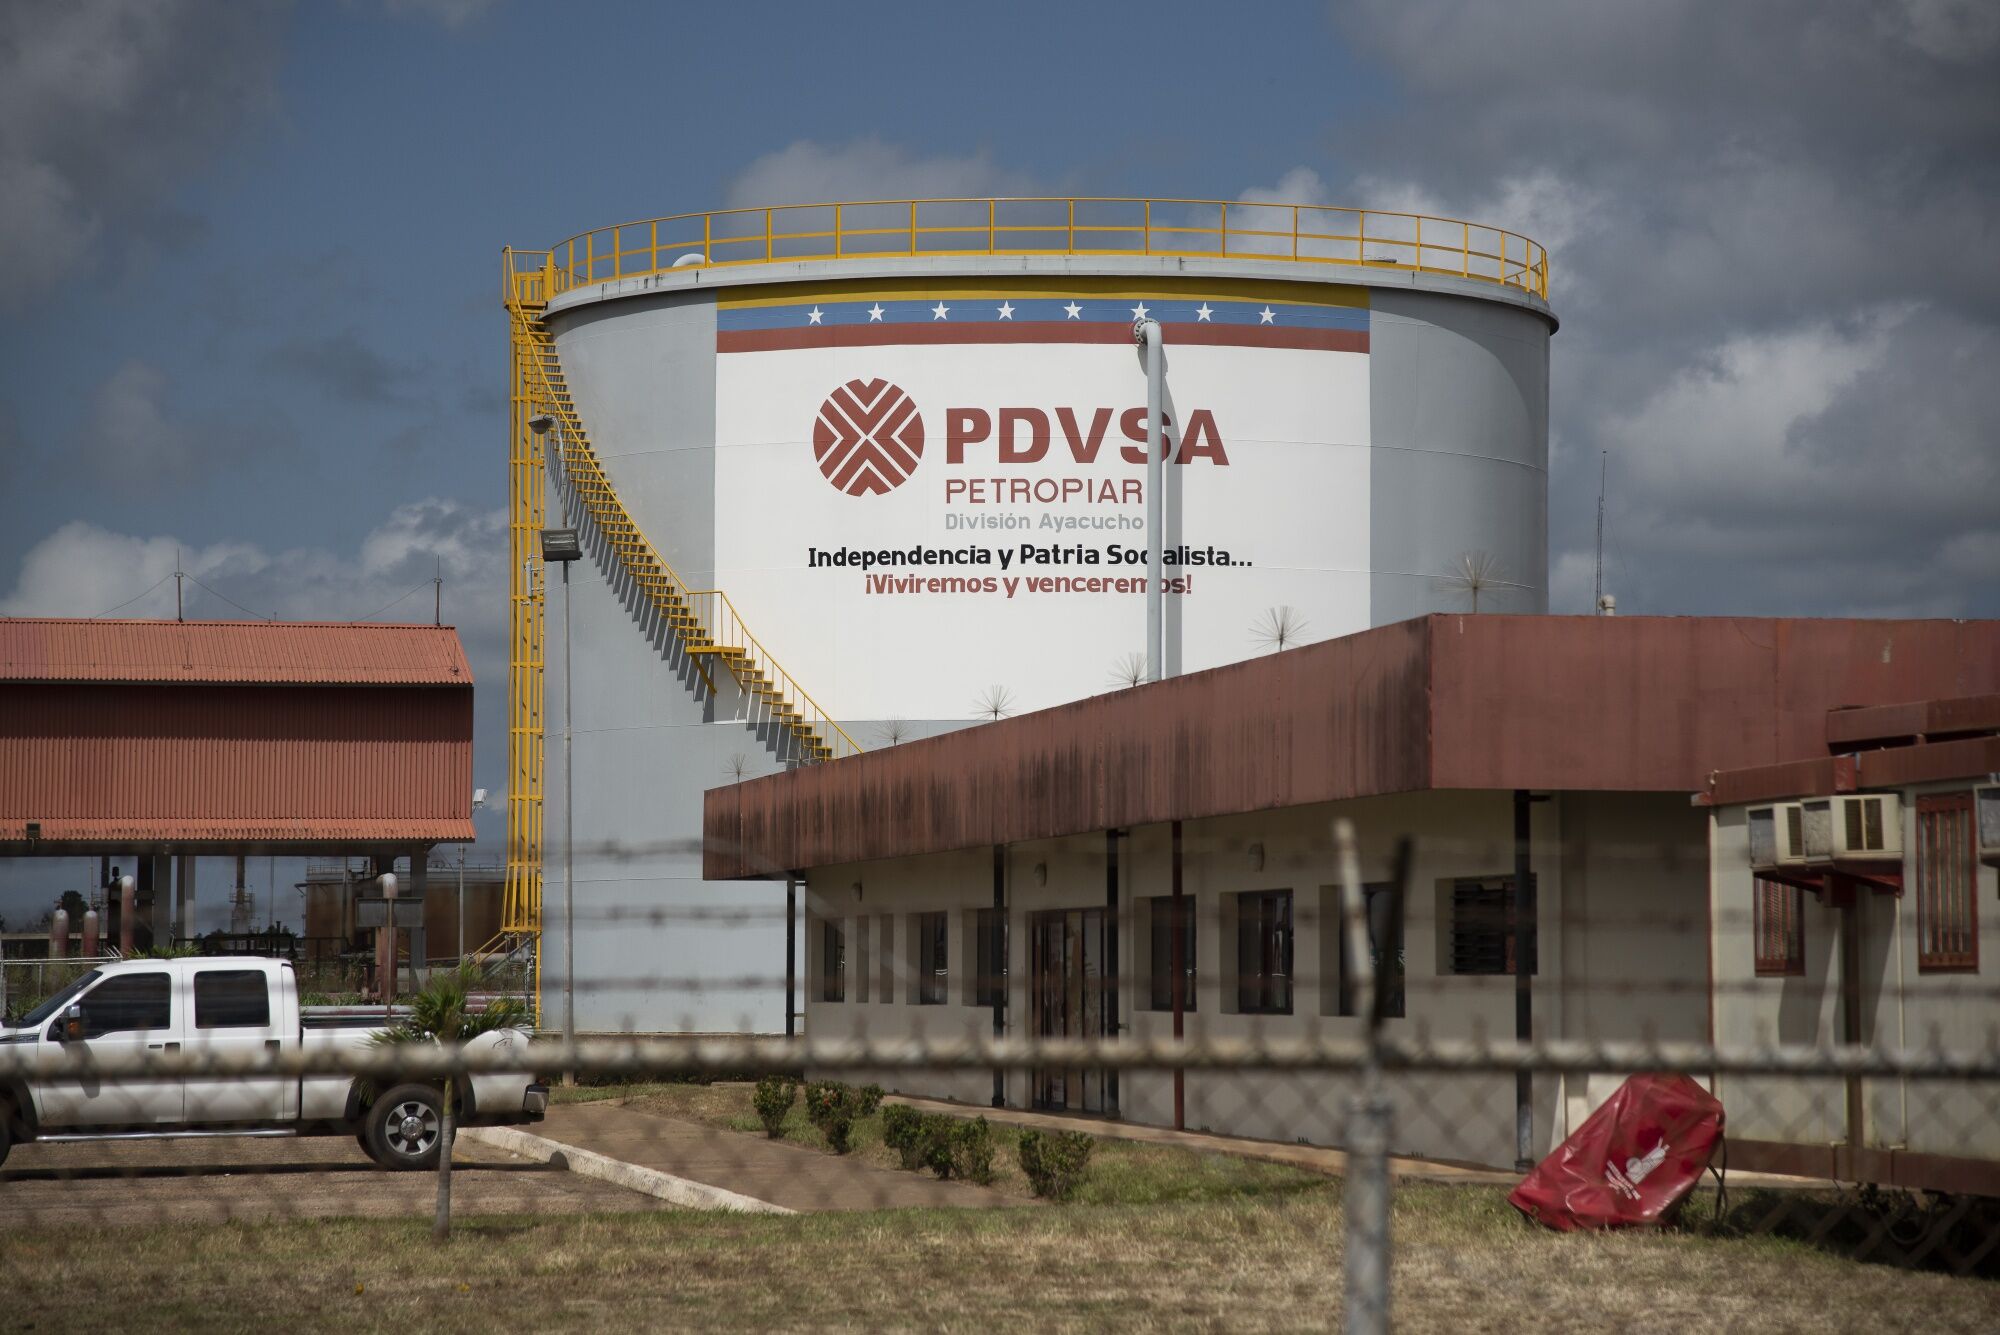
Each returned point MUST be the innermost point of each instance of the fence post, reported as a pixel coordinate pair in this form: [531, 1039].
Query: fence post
[1365, 1202]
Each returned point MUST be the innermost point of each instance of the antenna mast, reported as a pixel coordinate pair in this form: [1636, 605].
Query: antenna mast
[177, 585]
[1597, 585]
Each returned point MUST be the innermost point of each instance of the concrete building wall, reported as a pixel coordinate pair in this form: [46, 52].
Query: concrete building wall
[1605, 859]
[1900, 1005]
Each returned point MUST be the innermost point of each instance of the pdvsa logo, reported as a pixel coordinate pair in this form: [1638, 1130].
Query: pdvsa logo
[868, 438]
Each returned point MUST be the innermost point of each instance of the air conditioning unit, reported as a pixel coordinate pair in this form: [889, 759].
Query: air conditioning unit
[1986, 803]
[1776, 837]
[1864, 827]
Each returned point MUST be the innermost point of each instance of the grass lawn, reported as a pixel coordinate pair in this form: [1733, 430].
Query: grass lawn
[1161, 1237]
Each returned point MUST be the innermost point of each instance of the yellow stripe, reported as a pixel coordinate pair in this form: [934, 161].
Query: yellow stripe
[1199, 289]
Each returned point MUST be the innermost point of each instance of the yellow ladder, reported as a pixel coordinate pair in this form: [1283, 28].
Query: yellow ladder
[705, 620]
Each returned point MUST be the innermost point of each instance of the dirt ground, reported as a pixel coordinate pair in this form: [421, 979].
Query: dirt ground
[214, 1181]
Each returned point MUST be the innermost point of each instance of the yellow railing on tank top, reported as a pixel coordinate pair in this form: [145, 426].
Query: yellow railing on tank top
[1307, 234]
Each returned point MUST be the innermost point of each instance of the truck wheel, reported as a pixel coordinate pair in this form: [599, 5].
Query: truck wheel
[405, 1126]
[6, 1131]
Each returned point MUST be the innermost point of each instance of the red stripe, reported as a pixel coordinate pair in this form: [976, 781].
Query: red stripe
[1034, 331]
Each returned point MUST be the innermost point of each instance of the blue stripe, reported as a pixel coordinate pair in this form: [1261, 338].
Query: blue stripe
[986, 310]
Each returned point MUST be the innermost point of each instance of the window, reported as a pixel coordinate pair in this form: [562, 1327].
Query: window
[832, 960]
[1482, 925]
[932, 962]
[132, 1002]
[231, 999]
[1383, 909]
[1947, 908]
[1264, 952]
[1778, 919]
[989, 983]
[1162, 998]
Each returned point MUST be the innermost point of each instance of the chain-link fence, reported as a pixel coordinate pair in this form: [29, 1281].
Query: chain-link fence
[1205, 1104]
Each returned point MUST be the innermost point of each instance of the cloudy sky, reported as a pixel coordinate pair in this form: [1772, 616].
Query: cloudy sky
[251, 319]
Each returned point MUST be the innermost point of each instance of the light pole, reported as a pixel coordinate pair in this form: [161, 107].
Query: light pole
[478, 801]
[1146, 333]
[560, 546]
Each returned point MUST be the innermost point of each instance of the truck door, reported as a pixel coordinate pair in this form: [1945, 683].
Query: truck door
[236, 1011]
[127, 1012]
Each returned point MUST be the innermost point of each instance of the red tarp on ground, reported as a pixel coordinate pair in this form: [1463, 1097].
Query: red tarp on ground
[1631, 1162]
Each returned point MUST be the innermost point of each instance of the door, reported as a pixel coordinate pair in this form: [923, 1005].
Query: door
[234, 1011]
[1069, 993]
[125, 1013]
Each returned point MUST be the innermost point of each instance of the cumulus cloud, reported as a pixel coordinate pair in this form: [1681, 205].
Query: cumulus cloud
[105, 107]
[1770, 232]
[83, 569]
[807, 172]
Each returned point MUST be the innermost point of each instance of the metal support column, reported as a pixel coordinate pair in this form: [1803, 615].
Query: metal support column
[1524, 959]
[1111, 838]
[791, 956]
[1179, 966]
[999, 984]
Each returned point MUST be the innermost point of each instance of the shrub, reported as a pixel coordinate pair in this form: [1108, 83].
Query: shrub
[871, 1100]
[971, 1150]
[903, 1132]
[831, 1106]
[773, 1102]
[1056, 1162]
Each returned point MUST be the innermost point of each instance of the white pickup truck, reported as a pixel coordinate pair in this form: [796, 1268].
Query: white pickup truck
[229, 1005]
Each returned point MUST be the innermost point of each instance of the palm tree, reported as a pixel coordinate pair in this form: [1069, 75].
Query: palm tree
[1128, 671]
[442, 1013]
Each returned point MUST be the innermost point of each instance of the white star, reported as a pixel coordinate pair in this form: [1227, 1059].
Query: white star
[1266, 316]
[875, 313]
[812, 316]
[1075, 311]
[940, 311]
[1139, 311]
[1202, 311]
[1006, 310]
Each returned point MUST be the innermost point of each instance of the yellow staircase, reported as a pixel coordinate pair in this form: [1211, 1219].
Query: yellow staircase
[705, 621]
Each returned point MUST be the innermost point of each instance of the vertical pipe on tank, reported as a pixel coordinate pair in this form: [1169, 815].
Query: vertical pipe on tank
[1147, 334]
[90, 933]
[59, 935]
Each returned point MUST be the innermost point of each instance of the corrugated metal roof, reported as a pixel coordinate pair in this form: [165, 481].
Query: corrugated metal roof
[1618, 704]
[242, 652]
[100, 762]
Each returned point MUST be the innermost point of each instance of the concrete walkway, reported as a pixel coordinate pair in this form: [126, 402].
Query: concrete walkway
[768, 1170]
[1312, 1158]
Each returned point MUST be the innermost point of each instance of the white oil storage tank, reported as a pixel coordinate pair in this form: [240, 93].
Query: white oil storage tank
[848, 475]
